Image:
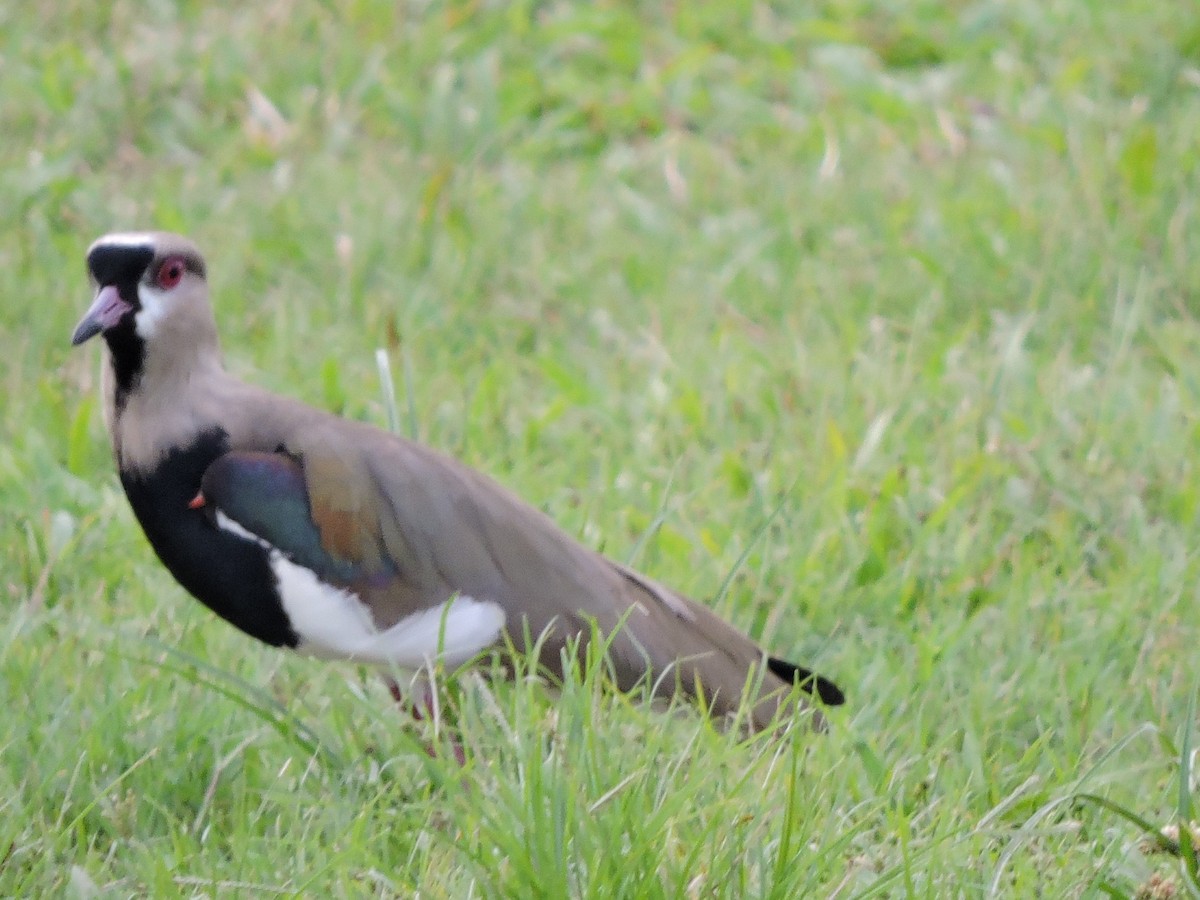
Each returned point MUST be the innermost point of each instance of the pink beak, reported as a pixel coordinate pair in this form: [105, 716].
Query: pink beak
[106, 311]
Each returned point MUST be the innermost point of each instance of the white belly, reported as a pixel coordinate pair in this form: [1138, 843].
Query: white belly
[334, 623]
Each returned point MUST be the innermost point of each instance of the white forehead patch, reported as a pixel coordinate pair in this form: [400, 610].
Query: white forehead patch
[125, 239]
[154, 307]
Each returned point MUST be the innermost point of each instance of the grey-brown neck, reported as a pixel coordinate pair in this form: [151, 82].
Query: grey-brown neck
[170, 401]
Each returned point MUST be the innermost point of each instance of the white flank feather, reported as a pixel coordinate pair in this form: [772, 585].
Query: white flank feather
[333, 622]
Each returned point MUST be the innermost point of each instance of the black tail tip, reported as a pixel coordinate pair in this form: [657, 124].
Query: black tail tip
[817, 685]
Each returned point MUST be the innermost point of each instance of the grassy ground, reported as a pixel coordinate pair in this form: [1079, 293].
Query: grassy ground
[919, 277]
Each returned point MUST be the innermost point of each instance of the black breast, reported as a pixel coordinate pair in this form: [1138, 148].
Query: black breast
[229, 575]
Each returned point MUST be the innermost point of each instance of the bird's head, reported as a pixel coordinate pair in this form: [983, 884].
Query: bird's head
[145, 283]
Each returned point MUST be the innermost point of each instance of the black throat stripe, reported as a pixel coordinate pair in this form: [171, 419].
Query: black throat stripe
[128, 352]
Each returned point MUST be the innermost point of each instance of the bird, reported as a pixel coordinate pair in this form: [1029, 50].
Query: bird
[342, 540]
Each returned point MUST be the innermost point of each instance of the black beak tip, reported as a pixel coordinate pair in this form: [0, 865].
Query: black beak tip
[85, 331]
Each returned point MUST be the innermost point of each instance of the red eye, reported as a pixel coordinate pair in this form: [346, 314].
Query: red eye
[170, 273]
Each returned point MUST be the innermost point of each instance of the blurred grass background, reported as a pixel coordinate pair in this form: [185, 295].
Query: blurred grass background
[919, 275]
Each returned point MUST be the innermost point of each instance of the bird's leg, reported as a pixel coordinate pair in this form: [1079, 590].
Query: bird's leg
[419, 710]
[422, 707]
[393, 687]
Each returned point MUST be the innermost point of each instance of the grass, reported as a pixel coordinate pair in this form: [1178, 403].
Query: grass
[897, 301]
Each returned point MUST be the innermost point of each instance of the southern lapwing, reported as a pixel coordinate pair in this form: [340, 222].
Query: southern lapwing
[342, 540]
